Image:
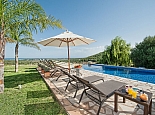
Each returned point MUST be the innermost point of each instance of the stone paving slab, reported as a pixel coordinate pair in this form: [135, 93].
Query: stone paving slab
[87, 106]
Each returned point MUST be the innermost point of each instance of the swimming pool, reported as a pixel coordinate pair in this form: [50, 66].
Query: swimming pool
[140, 74]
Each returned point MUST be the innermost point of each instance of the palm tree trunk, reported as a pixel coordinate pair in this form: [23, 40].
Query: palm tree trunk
[16, 57]
[2, 50]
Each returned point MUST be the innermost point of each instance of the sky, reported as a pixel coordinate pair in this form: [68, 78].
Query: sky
[101, 20]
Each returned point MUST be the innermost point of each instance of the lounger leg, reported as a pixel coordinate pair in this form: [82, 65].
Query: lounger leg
[75, 93]
[67, 86]
[77, 88]
[54, 72]
[81, 96]
[99, 110]
[150, 107]
[100, 107]
[58, 77]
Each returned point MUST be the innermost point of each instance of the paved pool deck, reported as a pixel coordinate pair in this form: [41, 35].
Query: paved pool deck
[87, 106]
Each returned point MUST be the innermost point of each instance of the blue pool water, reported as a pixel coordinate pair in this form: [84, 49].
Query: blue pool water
[139, 74]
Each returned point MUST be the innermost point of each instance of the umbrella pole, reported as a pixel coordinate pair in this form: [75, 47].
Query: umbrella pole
[68, 57]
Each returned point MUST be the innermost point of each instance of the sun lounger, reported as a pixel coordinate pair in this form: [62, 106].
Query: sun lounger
[53, 68]
[44, 61]
[57, 69]
[75, 83]
[101, 92]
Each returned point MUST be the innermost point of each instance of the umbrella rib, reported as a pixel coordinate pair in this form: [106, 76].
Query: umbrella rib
[82, 40]
[72, 41]
[60, 43]
[67, 41]
[50, 42]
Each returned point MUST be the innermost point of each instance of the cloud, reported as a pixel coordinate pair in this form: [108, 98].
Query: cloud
[86, 51]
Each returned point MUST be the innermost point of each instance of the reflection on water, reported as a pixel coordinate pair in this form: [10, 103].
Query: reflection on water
[127, 73]
[122, 72]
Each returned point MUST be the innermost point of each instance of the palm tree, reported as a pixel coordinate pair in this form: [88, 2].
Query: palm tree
[22, 38]
[25, 42]
[28, 15]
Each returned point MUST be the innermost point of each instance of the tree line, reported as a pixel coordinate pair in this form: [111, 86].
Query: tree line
[120, 53]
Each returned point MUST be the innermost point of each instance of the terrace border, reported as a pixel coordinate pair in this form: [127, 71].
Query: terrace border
[64, 103]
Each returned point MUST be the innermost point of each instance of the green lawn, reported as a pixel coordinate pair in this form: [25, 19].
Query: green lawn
[34, 98]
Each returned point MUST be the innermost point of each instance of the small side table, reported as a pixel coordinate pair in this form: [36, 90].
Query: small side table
[147, 105]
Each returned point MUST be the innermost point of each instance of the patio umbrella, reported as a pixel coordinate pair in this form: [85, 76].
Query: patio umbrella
[66, 39]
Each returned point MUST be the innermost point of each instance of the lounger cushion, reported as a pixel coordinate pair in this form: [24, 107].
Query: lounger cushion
[108, 87]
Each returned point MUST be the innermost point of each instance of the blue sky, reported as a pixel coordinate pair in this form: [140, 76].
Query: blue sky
[101, 20]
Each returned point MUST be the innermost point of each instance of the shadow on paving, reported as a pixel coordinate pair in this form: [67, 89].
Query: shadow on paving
[38, 94]
[14, 80]
[50, 108]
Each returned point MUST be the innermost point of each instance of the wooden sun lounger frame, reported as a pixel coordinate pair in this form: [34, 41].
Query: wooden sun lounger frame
[99, 91]
[74, 82]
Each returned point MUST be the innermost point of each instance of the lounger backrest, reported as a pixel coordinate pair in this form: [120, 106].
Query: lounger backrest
[81, 80]
[43, 61]
[49, 64]
[69, 75]
[40, 60]
[46, 62]
[52, 63]
[88, 84]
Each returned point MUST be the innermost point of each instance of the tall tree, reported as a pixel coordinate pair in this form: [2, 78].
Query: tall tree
[28, 15]
[120, 52]
[143, 55]
[106, 55]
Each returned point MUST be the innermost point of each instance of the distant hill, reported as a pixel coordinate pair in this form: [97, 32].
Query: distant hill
[94, 57]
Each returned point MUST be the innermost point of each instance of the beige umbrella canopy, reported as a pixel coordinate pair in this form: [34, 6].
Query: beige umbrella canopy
[66, 39]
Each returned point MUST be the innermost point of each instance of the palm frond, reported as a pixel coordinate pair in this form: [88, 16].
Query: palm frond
[29, 42]
[9, 40]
